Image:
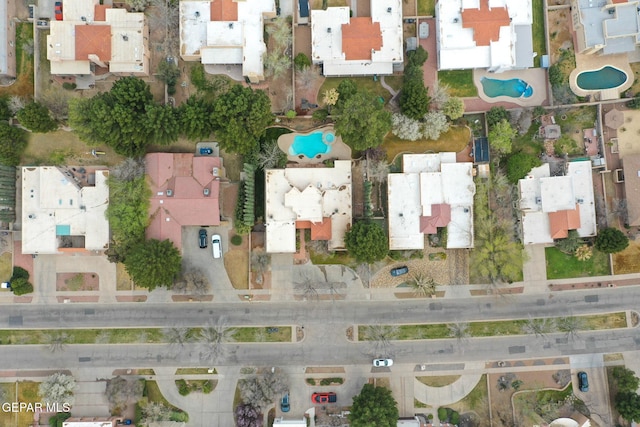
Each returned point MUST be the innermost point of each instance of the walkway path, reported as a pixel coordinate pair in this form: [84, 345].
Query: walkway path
[384, 84]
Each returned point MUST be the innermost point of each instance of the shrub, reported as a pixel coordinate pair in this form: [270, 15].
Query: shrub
[69, 86]
[207, 387]
[236, 240]
[183, 387]
[611, 240]
[320, 115]
[442, 414]
[301, 61]
[21, 286]
[19, 273]
[455, 418]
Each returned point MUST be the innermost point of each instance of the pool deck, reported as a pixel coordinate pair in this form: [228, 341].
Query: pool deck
[596, 62]
[339, 150]
[535, 77]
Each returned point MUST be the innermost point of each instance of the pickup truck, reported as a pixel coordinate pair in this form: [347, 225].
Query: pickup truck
[329, 397]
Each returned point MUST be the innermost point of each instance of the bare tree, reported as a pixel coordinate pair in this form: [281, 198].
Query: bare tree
[459, 331]
[270, 157]
[260, 261]
[307, 287]
[364, 271]
[214, 338]
[539, 327]
[58, 388]
[570, 325]
[56, 341]
[619, 209]
[261, 390]
[155, 411]
[423, 285]
[307, 77]
[57, 101]
[381, 337]
[129, 169]
[193, 282]
[164, 15]
[103, 337]
[16, 103]
[120, 391]
[276, 64]
[440, 94]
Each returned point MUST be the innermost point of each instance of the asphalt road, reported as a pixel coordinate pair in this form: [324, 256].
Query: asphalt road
[325, 324]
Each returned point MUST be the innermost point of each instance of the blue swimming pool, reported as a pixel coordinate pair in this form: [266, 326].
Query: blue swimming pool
[312, 145]
[513, 88]
[605, 78]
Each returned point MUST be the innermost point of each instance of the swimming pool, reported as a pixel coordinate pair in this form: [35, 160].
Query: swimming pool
[312, 145]
[514, 88]
[606, 77]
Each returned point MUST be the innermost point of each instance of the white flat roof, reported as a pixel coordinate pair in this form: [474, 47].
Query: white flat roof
[54, 204]
[327, 42]
[427, 180]
[4, 30]
[307, 194]
[87, 424]
[198, 33]
[457, 48]
[541, 194]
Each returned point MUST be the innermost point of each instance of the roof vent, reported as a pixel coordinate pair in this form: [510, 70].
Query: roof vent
[329, 30]
[231, 25]
[389, 10]
[83, 18]
[32, 216]
[197, 14]
[169, 193]
[455, 20]
[125, 37]
[205, 191]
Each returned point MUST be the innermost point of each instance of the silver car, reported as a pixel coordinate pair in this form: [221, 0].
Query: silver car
[216, 245]
[382, 363]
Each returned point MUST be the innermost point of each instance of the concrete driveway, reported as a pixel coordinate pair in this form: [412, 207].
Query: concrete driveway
[597, 398]
[213, 268]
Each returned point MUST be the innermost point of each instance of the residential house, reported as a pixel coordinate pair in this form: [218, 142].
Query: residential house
[226, 32]
[491, 34]
[184, 192]
[318, 199]
[552, 205]
[63, 210]
[433, 191]
[631, 170]
[7, 44]
[92, 422]
[358, 46]
[605, 26]
[92, 34]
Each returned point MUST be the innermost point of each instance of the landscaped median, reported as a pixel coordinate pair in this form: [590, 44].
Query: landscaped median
[136, 335]
[537, 326]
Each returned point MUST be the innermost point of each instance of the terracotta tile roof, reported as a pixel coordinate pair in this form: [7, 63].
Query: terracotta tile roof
[224, 10]
[562, 221]
[100, 12]
[485, 22]
[187, 176]
[619, 1]
[319, 230]
[359, 37]
[93, 40]
[440, 217]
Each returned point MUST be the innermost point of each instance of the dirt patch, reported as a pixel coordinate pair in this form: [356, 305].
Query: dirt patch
[71, 299]
[6, 267]
[123, 281]
[191, 298]
[62, 147]
[626, 262]
[77, 282]
[228, 199]
[505, 291]
[322, 370]
[559, 32]
[131, 298]
[236, 263]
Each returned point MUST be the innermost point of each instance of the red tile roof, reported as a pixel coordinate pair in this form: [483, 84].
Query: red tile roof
[485, 22]
[100, 12]
[319, 230]
[619, 1]
[359, 37]
[224, 10]
[440, 217]
[187, 177]
[562, 221]
[93, 40]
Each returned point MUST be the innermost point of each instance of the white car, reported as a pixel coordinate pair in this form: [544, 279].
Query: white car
[216, 245]
[381, 363]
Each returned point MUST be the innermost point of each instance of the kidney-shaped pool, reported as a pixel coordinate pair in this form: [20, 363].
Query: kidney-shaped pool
[605, 78]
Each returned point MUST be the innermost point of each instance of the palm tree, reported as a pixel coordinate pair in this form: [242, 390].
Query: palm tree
[214, 337]
[423, 285]
[177, 337]
[381, 337]
[56, 342]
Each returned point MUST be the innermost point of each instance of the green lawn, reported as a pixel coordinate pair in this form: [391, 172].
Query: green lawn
[195, 371]
[460, 82]
[526, 143]
[563, 266]
[366, 83]
[23, 86]
[455, 139]
[439, 381]
[496, 328]
[8, 390]
[539, 32]
[426, 7]
[27, 392]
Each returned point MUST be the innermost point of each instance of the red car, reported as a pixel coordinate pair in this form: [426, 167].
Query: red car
[58, 10]
[324, 397]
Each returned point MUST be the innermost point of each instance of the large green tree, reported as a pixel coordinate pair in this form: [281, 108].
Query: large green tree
[13, 141]
[501, 136]
[346, 89]
[519, 165]
[362, 121]
[162, 123]
[414, 100]
[453, 108]
[625, 378]
[495, 115]
[374, 407]
[153, 263]
[627, 403]
[5, 112]
[366, 242]
[195, 117]
[37, 118]
[611, 240]
[240, 117]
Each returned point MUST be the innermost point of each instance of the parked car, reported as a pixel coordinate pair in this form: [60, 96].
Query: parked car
[42, 23]
[202, 238]
[284, 403]
[410, 21]
[583, 382]
[399, 271]
[216, 246]
[329, 397]
[381, 363]
[58, 10]
[206, 151]
[5, 285]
